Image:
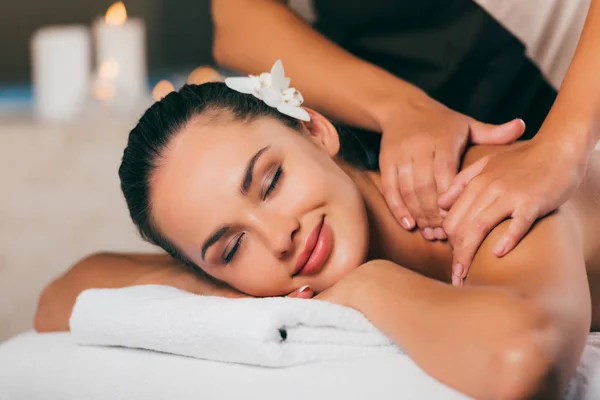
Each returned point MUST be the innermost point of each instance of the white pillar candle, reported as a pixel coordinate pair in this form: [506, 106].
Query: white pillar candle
[61, 64]
[121, 44]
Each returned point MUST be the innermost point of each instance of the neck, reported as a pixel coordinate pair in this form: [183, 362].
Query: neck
[380, 219]
[389, 241]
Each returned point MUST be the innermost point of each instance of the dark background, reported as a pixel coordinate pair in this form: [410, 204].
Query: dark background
[178, 31]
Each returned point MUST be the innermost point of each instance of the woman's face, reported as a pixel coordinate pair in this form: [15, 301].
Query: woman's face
[259, 205]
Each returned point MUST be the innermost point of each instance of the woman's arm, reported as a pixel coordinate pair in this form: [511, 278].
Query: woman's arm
[106, 270]
[516, 329]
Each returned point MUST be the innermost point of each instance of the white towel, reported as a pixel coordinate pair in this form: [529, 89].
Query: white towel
[270, 332]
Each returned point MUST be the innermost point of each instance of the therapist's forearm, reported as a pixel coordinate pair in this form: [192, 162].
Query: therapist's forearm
[575, 117]
[251, 34]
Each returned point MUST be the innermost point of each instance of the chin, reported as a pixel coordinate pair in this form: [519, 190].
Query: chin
[350, 250]
[340, 264]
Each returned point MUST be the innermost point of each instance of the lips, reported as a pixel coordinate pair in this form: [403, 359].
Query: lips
[316, 251]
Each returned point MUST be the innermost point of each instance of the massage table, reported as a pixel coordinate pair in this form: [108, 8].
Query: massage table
[51, 366]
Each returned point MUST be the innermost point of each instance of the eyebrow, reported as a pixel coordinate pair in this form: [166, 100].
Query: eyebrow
[244, 188]
[214, 238]
[247, 181]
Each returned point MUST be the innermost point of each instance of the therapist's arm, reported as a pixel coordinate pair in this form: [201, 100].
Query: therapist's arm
[527, 182]
[575, 116]
[249, 35]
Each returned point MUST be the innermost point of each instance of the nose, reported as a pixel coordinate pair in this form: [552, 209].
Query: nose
[276, 230]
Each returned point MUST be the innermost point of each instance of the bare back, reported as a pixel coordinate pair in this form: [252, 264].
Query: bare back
[584, 209]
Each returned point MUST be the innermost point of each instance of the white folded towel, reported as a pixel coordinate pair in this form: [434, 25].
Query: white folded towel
[270, 332]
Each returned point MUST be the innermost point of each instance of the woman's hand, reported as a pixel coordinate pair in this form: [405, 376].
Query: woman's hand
[523, 183]
[421, 148]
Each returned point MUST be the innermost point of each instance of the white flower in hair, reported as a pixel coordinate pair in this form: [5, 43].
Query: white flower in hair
[274, 89]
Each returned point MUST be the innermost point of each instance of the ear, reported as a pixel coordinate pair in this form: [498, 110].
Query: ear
[322, 132]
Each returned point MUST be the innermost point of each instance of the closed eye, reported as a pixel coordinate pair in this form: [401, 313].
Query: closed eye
[274, 181]
[230, 254]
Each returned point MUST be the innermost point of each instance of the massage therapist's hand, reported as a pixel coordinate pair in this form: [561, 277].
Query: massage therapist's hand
[422, 144]
[523, 183]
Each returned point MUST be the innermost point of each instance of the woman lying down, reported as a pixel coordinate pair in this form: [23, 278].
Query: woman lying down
[260, 203]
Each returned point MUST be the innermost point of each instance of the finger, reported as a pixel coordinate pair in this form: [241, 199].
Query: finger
[409, 196]
[440, 234]
[519, 226]
[426, 191]
[305, 292]
[445, 169]
[162, 89]
[460, 212]
[391, 193]
[481, 133]
[460, 182]
[474, 233]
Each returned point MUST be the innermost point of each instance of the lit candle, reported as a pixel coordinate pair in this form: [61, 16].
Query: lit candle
[120, 56]
[61, 64]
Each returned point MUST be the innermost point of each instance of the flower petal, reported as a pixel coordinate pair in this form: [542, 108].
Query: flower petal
[278, 80]
[294, 112]
[294, 102]
[265, 79]
[271, 97]
[242, 85]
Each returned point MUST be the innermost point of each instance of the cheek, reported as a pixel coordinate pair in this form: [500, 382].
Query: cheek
[257, 273]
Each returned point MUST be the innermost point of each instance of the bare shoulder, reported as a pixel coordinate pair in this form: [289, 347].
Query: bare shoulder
[475, 153]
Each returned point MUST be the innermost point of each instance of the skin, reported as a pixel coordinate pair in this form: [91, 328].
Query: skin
[515, 328]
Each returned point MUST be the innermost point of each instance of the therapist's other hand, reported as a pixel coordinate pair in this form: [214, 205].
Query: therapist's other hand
[421, 148]
[523, 183]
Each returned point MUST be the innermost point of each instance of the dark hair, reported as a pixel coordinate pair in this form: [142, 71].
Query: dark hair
[169, 116]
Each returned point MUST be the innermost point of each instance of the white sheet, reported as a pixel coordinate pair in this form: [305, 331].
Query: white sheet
[51, 366]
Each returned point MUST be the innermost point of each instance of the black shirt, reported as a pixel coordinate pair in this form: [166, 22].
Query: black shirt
[452, 49]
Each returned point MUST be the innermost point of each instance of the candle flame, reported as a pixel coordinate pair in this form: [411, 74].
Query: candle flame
[116, 14]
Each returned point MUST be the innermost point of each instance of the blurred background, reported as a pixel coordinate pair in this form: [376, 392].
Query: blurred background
[179, 31]
[59, 190]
